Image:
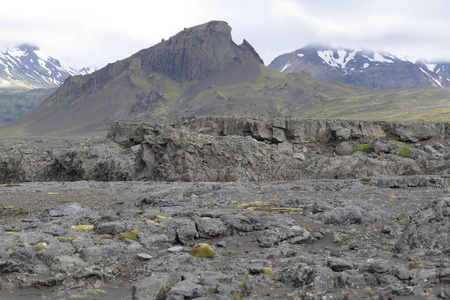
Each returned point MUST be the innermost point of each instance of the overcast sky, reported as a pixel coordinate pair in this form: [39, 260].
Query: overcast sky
[96, 32]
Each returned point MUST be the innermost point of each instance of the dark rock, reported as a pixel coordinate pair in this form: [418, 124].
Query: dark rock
[187, 289]
[155, 287]
[111, 228]
[195, 53]
[339, 264]
[350, 279]
[255, 268]
[210, 228]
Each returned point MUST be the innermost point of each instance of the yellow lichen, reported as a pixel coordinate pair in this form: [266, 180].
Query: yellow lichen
[130, 234]
[39, 246]
[63, 239]
[157, 218]
[267, 271]
[147, 221]
[83, 228]
[266, 206]
[203, 251]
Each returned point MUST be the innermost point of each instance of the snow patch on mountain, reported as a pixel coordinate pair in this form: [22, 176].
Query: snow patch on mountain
[286, 66]
[436, 82]
[431, 67]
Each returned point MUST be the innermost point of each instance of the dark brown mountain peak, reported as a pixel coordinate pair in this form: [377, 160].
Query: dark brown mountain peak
[196, 53]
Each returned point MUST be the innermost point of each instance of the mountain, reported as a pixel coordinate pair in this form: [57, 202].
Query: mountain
[199, 71]
[27, 66]
[27, 77]
[367, 68]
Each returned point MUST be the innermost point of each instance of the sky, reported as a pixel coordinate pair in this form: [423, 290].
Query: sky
[96, 32]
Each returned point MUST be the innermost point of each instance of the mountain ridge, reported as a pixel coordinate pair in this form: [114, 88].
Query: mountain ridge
[26, 66]
[364, 67]
[201, 71]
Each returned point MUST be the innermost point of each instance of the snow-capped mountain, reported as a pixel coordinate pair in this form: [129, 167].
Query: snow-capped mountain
[368, 68]
[29, 67]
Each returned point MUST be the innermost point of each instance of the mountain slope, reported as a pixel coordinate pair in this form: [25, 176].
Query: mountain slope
[27, 78]
[367, 68]
[201, 71]
[198, 71]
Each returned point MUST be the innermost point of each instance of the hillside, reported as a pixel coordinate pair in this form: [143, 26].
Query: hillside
[198, 71]
[15, 102]
[201, 71]
[364, 67]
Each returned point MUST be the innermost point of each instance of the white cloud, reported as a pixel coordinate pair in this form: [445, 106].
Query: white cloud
[95, 32]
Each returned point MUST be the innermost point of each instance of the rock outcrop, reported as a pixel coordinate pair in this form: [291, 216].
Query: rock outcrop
[196, 53]
[63, 160]
[236, 149]
[248, 149]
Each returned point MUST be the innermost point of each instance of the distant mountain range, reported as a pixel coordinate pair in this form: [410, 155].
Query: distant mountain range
[27, 66]
[27, 77]
[367, 68]
[201, 71]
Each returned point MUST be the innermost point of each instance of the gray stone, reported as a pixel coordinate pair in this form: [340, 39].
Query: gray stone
[427, 229]
[155, 287]
[144, 256]
[150, 241]
[176, 249]
[293, 235]
[210, 228]
[111, 228]
[344, 148]
[352, 215]
[285, 148]
[343, 134]
[298, 155]
[316, 279]
[278, 135]
[350, 279]
[338, 264]
[187, 289]
[24, 255]
[255, 268]
[187, 233]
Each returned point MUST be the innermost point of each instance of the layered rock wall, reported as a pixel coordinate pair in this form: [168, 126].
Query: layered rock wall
[249, 149]
[235, 149]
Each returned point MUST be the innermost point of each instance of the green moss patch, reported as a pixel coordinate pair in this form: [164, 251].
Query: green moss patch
[404, 152]
[362, 147]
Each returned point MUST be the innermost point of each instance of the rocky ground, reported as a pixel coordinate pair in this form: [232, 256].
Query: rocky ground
[379, 238]
[282, 209]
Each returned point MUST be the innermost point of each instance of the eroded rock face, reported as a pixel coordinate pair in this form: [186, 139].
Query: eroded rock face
[49, 160]
[247, 149]
[196, 53]
[234, 149]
